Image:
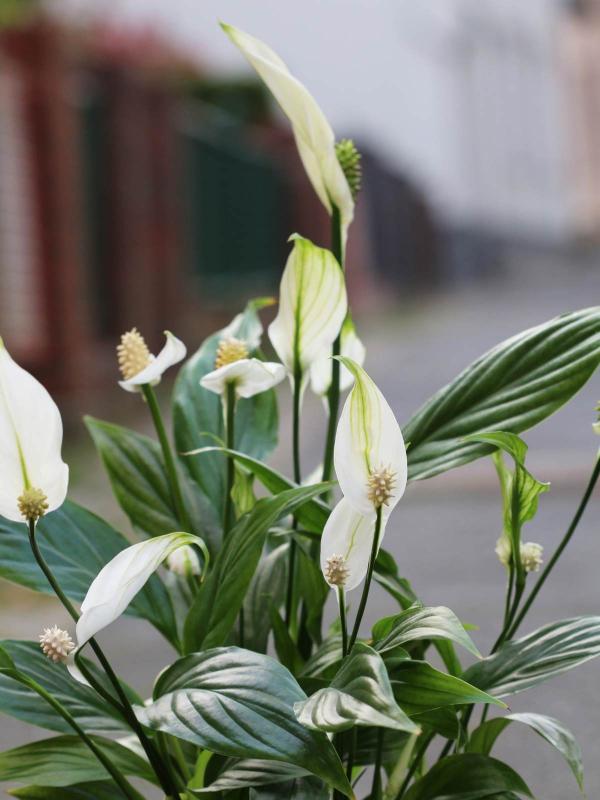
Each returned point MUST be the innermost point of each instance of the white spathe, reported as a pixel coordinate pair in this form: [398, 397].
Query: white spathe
[349, 534]
[31, 435]
[121, 579]
[368, 439]
[172, 353]
[351, 347]
[312, 306]
[313, 133]
[250, 376]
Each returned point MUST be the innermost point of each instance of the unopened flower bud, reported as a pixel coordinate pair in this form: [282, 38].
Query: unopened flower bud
[381, 484]
[133, 354]
[349, 159]
[229, 351]
[184, 561]
[336, 572]
[531, 556]
[56, 644]
[33, 504]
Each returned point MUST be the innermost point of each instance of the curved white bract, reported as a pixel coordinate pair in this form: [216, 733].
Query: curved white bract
[351, 347]
[250, 376]
[172, 353]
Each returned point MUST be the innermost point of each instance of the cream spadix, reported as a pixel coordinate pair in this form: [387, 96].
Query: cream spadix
[369, 453]
[31, 434]
[312, 306]
[313, 133]
[139, 367]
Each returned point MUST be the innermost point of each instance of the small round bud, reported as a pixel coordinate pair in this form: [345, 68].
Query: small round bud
[531, 556]
[336, 572]
[133, 354]
[349, 159]
[56, 644]
[229, 351]
[381, 483]
[184, 561]
[33, 504]
[503, 550]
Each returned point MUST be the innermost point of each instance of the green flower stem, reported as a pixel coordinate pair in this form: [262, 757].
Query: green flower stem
[559, 550]
[376, 786]
[230, 443]
[290, 600]
[153, 757]
[170, 467]
[334, 389]
[427, 739]
[367, 586]
[399, 772]
[343, 620]
[115, 774]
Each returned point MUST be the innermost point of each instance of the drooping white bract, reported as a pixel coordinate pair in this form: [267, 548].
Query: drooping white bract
[121, 579]
[31, 434]
[312, 306]
[250, 376]
[313, 133]
[368, 444]
[351, 347]
[172, 353]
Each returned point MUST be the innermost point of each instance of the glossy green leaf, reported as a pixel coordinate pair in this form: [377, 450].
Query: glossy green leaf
[421, 622]
[267, 589]
[513, 387]
[551, 730]
[198, 413]
[420, 687]
[285, 647]
[441, 720]
[134, 464]
[386, 574]
[64, 760]
[298, 789]
[76, 545]
[467, 775]
[245, 772]
[360, 694]
[88, 708]
[90, 790]
[220, 598]
[325, 660]
[540, 655]
[313, 515]
[239, 703]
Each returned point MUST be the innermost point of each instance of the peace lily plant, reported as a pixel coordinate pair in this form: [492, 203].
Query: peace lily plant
[233, 562]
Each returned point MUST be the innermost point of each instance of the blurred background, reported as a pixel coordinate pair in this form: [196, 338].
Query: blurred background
[146, 179]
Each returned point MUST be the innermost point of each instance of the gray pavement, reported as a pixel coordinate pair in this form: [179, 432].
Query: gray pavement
[444, 530]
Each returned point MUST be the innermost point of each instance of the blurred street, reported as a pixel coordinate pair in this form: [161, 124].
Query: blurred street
[444, 531]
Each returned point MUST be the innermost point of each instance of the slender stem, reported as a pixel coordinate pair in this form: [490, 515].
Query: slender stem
[230, 443]
[153, 757]
[415, 764]
[559, 550]
[446, 749]
[376, 785]
[351, 753]
[399, 772]
[343, 619]
[289, 601]
[367, 586]
[334, 389]
[170, 466]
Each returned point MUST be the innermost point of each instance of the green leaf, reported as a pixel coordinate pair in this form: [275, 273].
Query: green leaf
[245, 772]
[440, 720]
[540, 655]
[6, 661]
[88, 708]
[285, 647]
[420, 687]
[77, 544]
[360, 694]
[239, 703]
[421, 622]
[198, 413]
[134, 464]
[220, 598]
[467, 775]
[313, 515]
[299, 789]
[513, 387]
[267, 589]
[324, 661]
[387, 576]
[64, 760]
[313, 591]
[94, 790]
[554, 732]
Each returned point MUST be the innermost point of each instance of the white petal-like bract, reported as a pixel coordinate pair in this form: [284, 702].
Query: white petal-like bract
[349, 534]
[351, 347]
[312, 305]
[31, 434]
[121, 579]
[172, 353]
[368, 440]
[313, 133]
[249, 375]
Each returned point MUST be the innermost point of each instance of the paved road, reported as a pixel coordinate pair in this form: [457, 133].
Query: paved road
[443, 532]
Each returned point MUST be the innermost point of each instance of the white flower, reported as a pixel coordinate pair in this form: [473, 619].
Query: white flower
[503, 550]
[531, 554]
[33, 476]
[369, 454]
[250, 376]
[314, 137]
[312, 306]
[346, 545]
[351, 347]
[139, 367]
[56, 644]
[184, 561]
